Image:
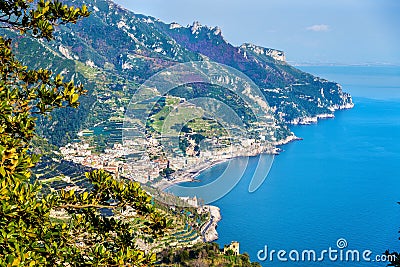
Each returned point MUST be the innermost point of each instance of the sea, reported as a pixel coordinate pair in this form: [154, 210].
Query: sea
[335, 192]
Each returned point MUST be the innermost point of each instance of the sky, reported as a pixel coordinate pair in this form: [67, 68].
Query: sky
[309, 31]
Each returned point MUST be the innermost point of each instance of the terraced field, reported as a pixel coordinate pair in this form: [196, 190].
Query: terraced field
[55, 174]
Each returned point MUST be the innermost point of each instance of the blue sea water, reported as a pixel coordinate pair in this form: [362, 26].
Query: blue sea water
[341, 181]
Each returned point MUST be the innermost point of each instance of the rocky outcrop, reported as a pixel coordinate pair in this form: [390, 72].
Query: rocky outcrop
[131, 47]
[275, 54]
[209, 229]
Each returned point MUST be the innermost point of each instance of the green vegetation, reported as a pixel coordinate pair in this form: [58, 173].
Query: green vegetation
[42, 223]
[167, 117]
[203, 255]
[111, 59]
[396, 260]
[30, 233]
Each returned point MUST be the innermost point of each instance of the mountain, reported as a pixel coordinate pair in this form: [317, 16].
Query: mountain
[115, 50]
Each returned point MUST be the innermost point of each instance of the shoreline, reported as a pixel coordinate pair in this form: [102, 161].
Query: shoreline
[190, 174]
[209, 233]
[209, 230]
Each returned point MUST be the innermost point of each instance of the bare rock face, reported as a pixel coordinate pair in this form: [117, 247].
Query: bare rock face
[278, 55]
[130, 47]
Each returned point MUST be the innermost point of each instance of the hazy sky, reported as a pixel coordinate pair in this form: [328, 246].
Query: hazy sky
[326, 31]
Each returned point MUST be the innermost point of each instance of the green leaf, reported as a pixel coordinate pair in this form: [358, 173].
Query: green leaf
[85, 196]
[74, 98]
[2, 171]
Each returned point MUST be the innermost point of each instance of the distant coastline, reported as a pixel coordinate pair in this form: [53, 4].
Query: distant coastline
[338, 64]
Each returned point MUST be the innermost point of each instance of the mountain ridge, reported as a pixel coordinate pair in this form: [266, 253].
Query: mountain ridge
[124, 49]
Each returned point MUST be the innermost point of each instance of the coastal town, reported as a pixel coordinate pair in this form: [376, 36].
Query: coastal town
[144, 170]
[162, 172]
[130, 139]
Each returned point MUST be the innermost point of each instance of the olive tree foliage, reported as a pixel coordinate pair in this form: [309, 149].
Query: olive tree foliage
[29, 234]
[41, 19]
[393, 257]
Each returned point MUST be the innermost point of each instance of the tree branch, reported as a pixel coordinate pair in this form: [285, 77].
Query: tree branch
[76, 206]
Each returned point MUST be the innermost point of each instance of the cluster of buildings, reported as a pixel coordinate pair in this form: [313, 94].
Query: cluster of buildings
[115, 160]
[81, 153]
[146, 166]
